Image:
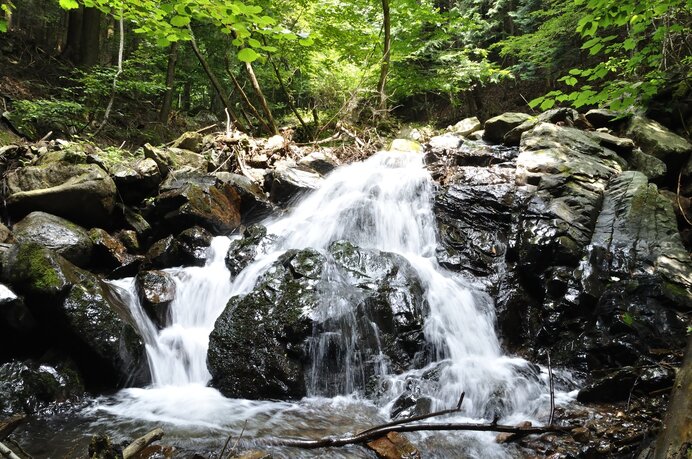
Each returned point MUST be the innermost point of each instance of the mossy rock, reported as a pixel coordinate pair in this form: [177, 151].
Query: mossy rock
[38, 271]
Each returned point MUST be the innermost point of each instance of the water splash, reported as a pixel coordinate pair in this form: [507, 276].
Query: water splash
[383, 203]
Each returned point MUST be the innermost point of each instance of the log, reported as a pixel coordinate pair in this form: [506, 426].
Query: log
[7, 453]
[142, 442]
[7, 426]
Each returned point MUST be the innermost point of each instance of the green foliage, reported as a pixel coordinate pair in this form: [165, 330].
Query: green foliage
[6, 7]
[60, 114]
[639, 47]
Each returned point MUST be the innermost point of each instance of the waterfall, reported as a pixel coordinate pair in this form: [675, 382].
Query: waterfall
[383, 203]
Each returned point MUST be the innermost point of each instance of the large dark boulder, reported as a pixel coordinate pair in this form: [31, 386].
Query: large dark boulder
[192, 199]
[495, 128]
[254, 204]
[156, 291]
[657, 140]
[83, 193]
[264, 342]
[64, 237]
[32, 388]
[136, 181]
[245, 250]
[288, 180]
[16, 325]
[78, 314]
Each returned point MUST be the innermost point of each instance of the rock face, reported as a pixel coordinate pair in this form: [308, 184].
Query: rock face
[287, 181]
[30, 388]
[263, 340]
[577, 254]
[496, 128]
[64, 237]
[136, 181]
[77, 313]
[193, 199]
[658, 141]
[156, 291]
[83, 193]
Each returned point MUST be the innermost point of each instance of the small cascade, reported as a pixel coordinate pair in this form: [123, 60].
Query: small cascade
[384, 204]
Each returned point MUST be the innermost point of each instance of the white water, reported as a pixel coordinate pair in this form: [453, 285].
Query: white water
[383, 203]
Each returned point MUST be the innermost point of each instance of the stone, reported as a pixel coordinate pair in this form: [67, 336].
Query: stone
[559, 115]
[172, 159]
[466, 126]
[191, 141]
[192, 245]
[16, 325]
[137, 181]
[260, 343]
[156, 291]
[109, 253]
[274, 143]
[445, 142]
[319, 161]
[656, 140]
[648, 165]
[614, 387]
[513, 137]
[406, 146]
[496, 128]
[194, 199]
[243, 251]
[83, 193]
[64, 237]
[394, 446]
[128, 238]
[162, 254]
[132, 219]
[5, 234]
[581, 434]
[287, 181]
[619, 145]
[254, 204]
[600, 117]
[32, 388]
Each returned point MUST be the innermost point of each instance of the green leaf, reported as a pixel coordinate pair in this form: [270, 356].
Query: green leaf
[180, 21]
[3, 26]
[629, 44]
[595, 49]
[306, 41]
[547, 104]
[254, 43]
[270, 49]
[69, 4]
[591, 42]
[534, 103]
[247, 55]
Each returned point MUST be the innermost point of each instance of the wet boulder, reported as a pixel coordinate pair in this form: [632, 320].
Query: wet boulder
[193, 199]
[16, 325]
[265, 342]
[496, 128]
[601, 117]
[83, 193]
[156, 291]
[287, 181]
[169, 159]
[193, 244]
[110, 254]
[466, 126]
[33, 388]
[64, 237]
[254, 204]
[77, 313]
[445, 143]
[321, 162]
[513, 137]
[136, 181]
[245, 250]
[474, 214]
[5, 234]
[656, 140]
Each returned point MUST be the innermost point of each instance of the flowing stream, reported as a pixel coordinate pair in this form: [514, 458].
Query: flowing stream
[383, 203]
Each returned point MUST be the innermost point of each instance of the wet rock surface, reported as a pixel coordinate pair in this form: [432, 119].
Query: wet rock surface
[262, 341]
[156, 291]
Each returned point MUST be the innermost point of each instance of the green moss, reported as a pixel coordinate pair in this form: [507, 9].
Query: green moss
[35, 264]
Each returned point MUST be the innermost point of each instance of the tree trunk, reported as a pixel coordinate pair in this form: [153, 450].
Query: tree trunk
[289, 98]
[386, 53]
[170, 83]
[263, 100]
[216, 84]
[186, 97]
[246, 99]
[74, 35]
[91, 38]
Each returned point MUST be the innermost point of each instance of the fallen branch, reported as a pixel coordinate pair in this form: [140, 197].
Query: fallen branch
[379, 432]
[7, 426]
[7, 453]
[418, 418]
[142, 442]
[552, 392]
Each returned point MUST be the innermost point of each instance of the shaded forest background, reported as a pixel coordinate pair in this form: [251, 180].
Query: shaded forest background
[145, 70]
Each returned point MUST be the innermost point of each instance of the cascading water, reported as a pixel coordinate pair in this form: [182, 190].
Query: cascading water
[383, 203]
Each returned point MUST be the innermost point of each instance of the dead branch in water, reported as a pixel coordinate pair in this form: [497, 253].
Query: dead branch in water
[142, 442]
[406, 425]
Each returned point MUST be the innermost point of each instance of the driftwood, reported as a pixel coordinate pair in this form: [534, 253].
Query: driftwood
[7, 426]
[142, 442]
[407, 425]
[7, 453]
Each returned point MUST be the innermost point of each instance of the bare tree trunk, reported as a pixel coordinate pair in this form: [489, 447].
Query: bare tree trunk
[186, 96]
[165, 111]
[213, 79]
[91, 38]
[263, 100]
[386, 54]
[74, 35]
[246, 99]
[289, 98]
